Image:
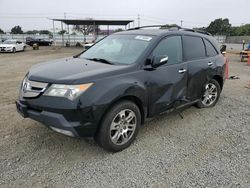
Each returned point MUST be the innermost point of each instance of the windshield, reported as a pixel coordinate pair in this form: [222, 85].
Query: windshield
[9, 42]
[118, 49]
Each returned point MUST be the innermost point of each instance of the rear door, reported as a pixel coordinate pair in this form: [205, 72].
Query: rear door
[197, 64]
[167, 83]
[212, 58]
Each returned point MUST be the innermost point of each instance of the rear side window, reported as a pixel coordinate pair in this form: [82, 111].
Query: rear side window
[211, 52]
[172, 47]
[193, 48]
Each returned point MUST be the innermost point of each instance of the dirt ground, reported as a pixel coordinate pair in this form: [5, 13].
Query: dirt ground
[208, 148]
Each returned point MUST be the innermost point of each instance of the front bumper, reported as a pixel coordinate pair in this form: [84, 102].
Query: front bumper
[68, 122]
[5, 50]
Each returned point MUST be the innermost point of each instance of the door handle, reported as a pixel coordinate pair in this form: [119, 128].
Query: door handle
[210, 63]
[182, 71]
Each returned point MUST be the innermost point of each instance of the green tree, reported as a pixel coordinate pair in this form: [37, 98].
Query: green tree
[32, 32]
[45, 32]
[118, 30]
[243, 30]
[1, 31]
[86, 29]
[17, 30]
[219, 27]
[169, 26]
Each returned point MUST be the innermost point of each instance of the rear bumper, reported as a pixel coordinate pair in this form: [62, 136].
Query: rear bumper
[58, 121]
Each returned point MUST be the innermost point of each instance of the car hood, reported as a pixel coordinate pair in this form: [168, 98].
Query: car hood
[7, 45]
[72, 71]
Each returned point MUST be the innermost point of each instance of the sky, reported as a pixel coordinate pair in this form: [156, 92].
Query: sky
[34, 14]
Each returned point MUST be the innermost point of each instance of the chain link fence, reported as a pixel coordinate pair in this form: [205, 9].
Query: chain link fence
[58, 40]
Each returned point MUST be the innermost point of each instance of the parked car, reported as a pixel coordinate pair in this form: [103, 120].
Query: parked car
[12, 46]
[88, 45]
[109, 90]
[41, 42]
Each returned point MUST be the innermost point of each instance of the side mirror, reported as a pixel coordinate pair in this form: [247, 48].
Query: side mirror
[159, 60]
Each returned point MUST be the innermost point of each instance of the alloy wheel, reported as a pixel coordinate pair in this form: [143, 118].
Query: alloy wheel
[210, 94]
[123, 127]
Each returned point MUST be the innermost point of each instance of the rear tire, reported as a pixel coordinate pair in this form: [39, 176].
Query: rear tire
[119, 127]
[211, 94]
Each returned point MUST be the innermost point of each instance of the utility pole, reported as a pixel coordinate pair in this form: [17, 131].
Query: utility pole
[54, 39]
[181, 23]
[139, 20]
[64, 14]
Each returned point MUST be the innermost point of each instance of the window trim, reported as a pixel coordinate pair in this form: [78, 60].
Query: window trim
[204, 39]
[193, 59]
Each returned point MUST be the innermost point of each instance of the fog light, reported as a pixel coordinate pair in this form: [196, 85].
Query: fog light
[65, 132]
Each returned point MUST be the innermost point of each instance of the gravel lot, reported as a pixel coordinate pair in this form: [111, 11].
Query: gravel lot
[208, 148]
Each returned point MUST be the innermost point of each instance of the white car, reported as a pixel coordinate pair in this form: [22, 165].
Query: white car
[12, 46]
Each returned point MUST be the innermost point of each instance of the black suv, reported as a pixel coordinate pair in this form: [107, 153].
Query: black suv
[41, 42]
[109, 90]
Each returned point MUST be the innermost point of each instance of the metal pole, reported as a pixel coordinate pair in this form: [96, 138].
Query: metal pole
[68, 35]
[54, 33]
[97, 32]
[84, 34]
[108, 29]
[94, 32]
[62, 34]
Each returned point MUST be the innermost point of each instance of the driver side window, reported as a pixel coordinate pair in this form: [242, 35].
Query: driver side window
[172, 47]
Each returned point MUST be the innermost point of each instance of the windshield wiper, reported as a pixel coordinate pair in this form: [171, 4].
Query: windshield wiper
[100, 60]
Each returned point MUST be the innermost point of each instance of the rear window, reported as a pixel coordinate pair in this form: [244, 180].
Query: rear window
[211, 51]
[193, 48]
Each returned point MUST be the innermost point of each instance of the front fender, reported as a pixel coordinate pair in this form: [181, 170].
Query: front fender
[105, 92]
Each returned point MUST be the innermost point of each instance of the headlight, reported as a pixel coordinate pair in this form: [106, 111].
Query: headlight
[68, 91]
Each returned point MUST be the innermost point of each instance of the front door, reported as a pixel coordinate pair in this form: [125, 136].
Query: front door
[167, 83]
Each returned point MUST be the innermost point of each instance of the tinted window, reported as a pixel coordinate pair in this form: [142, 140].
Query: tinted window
[172, 47]
[211, 52]
[193, 48]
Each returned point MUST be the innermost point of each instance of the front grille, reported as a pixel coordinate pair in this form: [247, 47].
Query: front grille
[31, 89]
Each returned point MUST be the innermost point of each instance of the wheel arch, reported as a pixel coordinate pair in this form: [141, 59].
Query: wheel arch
[219, 79]
[130, 98]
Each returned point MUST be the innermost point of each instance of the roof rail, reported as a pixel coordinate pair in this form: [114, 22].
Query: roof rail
[147, 26]
[172, 28]
[196, 31]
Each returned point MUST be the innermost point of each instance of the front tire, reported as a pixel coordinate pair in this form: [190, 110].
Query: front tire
[119, 127]
[211, 94]
[14, 50]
